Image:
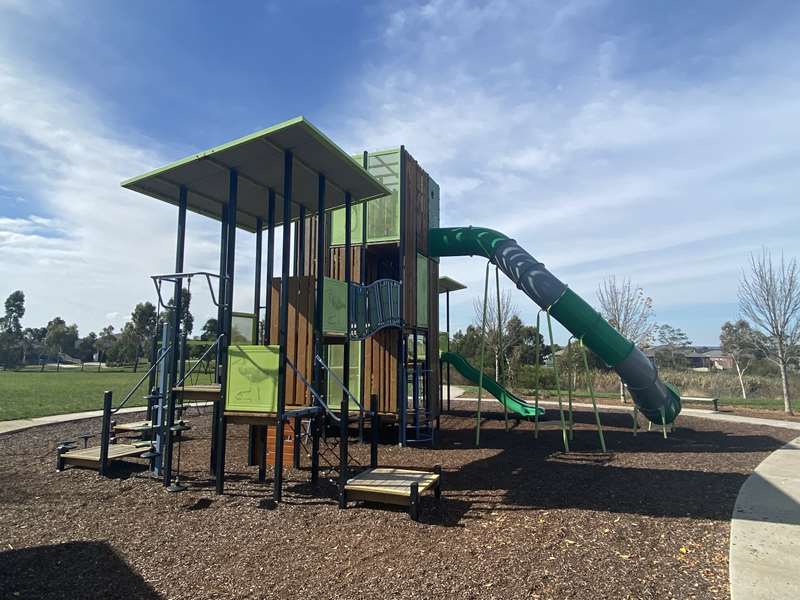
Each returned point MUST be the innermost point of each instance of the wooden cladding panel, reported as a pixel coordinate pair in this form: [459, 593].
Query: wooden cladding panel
[336, 264]
[380, 368]
[300, 333]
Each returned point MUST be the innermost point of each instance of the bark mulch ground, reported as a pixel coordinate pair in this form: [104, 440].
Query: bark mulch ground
[518, 519]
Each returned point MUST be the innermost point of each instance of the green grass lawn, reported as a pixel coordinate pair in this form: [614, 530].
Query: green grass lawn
[32, 394]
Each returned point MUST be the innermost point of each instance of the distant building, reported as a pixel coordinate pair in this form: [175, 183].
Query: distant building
[701, 358]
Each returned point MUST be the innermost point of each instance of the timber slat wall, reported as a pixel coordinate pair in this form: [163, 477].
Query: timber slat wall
[300, 333]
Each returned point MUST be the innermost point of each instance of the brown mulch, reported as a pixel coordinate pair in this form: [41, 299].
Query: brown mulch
[519, 519]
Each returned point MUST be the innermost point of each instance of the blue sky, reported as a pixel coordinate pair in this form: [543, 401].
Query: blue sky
[653, 140]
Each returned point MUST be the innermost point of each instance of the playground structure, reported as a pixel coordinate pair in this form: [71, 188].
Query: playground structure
[353, 314]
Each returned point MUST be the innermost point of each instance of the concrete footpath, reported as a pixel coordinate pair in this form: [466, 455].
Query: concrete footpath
[765, 530]
[20, 424]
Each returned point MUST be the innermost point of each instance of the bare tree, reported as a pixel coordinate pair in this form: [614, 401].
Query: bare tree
[769, 295]
[739, 341]
[628, 310]
[498, 335]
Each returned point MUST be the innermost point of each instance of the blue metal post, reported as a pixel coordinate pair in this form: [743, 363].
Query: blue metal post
[283, 321]
[226, 325]
[177, 311]
[344, 412]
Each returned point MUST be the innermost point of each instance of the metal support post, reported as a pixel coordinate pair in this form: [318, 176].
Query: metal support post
[283, 322]
[177, 312]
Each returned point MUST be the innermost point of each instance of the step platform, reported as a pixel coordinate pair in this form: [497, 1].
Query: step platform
[134, 427]
[90, 457]
[401, 487]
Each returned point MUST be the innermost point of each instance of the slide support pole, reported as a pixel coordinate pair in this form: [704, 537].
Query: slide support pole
[558, 384]
[594, 401]
[483, 348]
[500, 338]
[536, 376]
[571, 384]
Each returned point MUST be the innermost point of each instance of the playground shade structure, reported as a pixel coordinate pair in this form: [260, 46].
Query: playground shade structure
[658, 401]
[509, 400]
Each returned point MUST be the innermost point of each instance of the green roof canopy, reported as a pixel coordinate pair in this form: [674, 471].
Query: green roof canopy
[259, 160]
[450, 285]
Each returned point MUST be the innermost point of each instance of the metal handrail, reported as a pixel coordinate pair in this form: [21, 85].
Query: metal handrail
[164, 354]
[313, 391]
[200, 360]
[318, 359]
[176, 277]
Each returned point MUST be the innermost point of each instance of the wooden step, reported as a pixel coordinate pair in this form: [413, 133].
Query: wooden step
[90, 457]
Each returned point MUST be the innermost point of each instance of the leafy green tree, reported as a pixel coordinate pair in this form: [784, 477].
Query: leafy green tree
[15, 310]
[126, 347]
[11, 338]
[60, 336]
[33, 342]
[105, 341]
[187, 320]
[87, 346]
[209, 331]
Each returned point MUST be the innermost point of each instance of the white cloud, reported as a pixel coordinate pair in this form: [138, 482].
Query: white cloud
[541, 133]
[88, 253]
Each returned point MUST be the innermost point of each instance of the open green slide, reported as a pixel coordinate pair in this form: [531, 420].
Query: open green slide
[657, 400]
[509, 400]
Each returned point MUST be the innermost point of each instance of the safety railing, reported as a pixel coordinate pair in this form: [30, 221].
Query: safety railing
[350, 395]
[374, 307]
[164, 353]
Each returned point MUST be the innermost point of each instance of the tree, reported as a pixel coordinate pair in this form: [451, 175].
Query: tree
[675, 340]
[739, 341]
[11, 338]
[209, 331]
[87, 346]
[105, 341]
[60, 336]
[497, 318]
[126, 347]
[187, 320]
[33, 342]
[144, 320]
[628, 310]
[15, 310]
[769, 295]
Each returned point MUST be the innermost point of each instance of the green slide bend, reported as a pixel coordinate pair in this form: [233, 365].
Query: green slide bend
[508, 399]
[657, 400]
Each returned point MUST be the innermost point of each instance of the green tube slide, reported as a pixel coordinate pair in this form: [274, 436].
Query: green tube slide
[658, 401]
[509, 400]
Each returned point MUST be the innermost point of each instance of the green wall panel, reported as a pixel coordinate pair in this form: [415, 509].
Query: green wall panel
[422, 290]
[252, 382]
[334, 307]
[336, 365]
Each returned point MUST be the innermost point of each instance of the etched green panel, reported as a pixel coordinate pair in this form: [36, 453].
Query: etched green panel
[336, 365]
[383, 214]
[338, 222]
[334, 306]
[444, 342]
[422, 290]
[252, 378]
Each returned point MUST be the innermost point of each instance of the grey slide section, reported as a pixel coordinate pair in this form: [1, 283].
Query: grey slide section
[530, 275]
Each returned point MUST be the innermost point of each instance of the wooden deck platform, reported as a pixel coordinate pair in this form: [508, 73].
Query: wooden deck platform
[201, 393]
[90, 457]
[401, 487]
